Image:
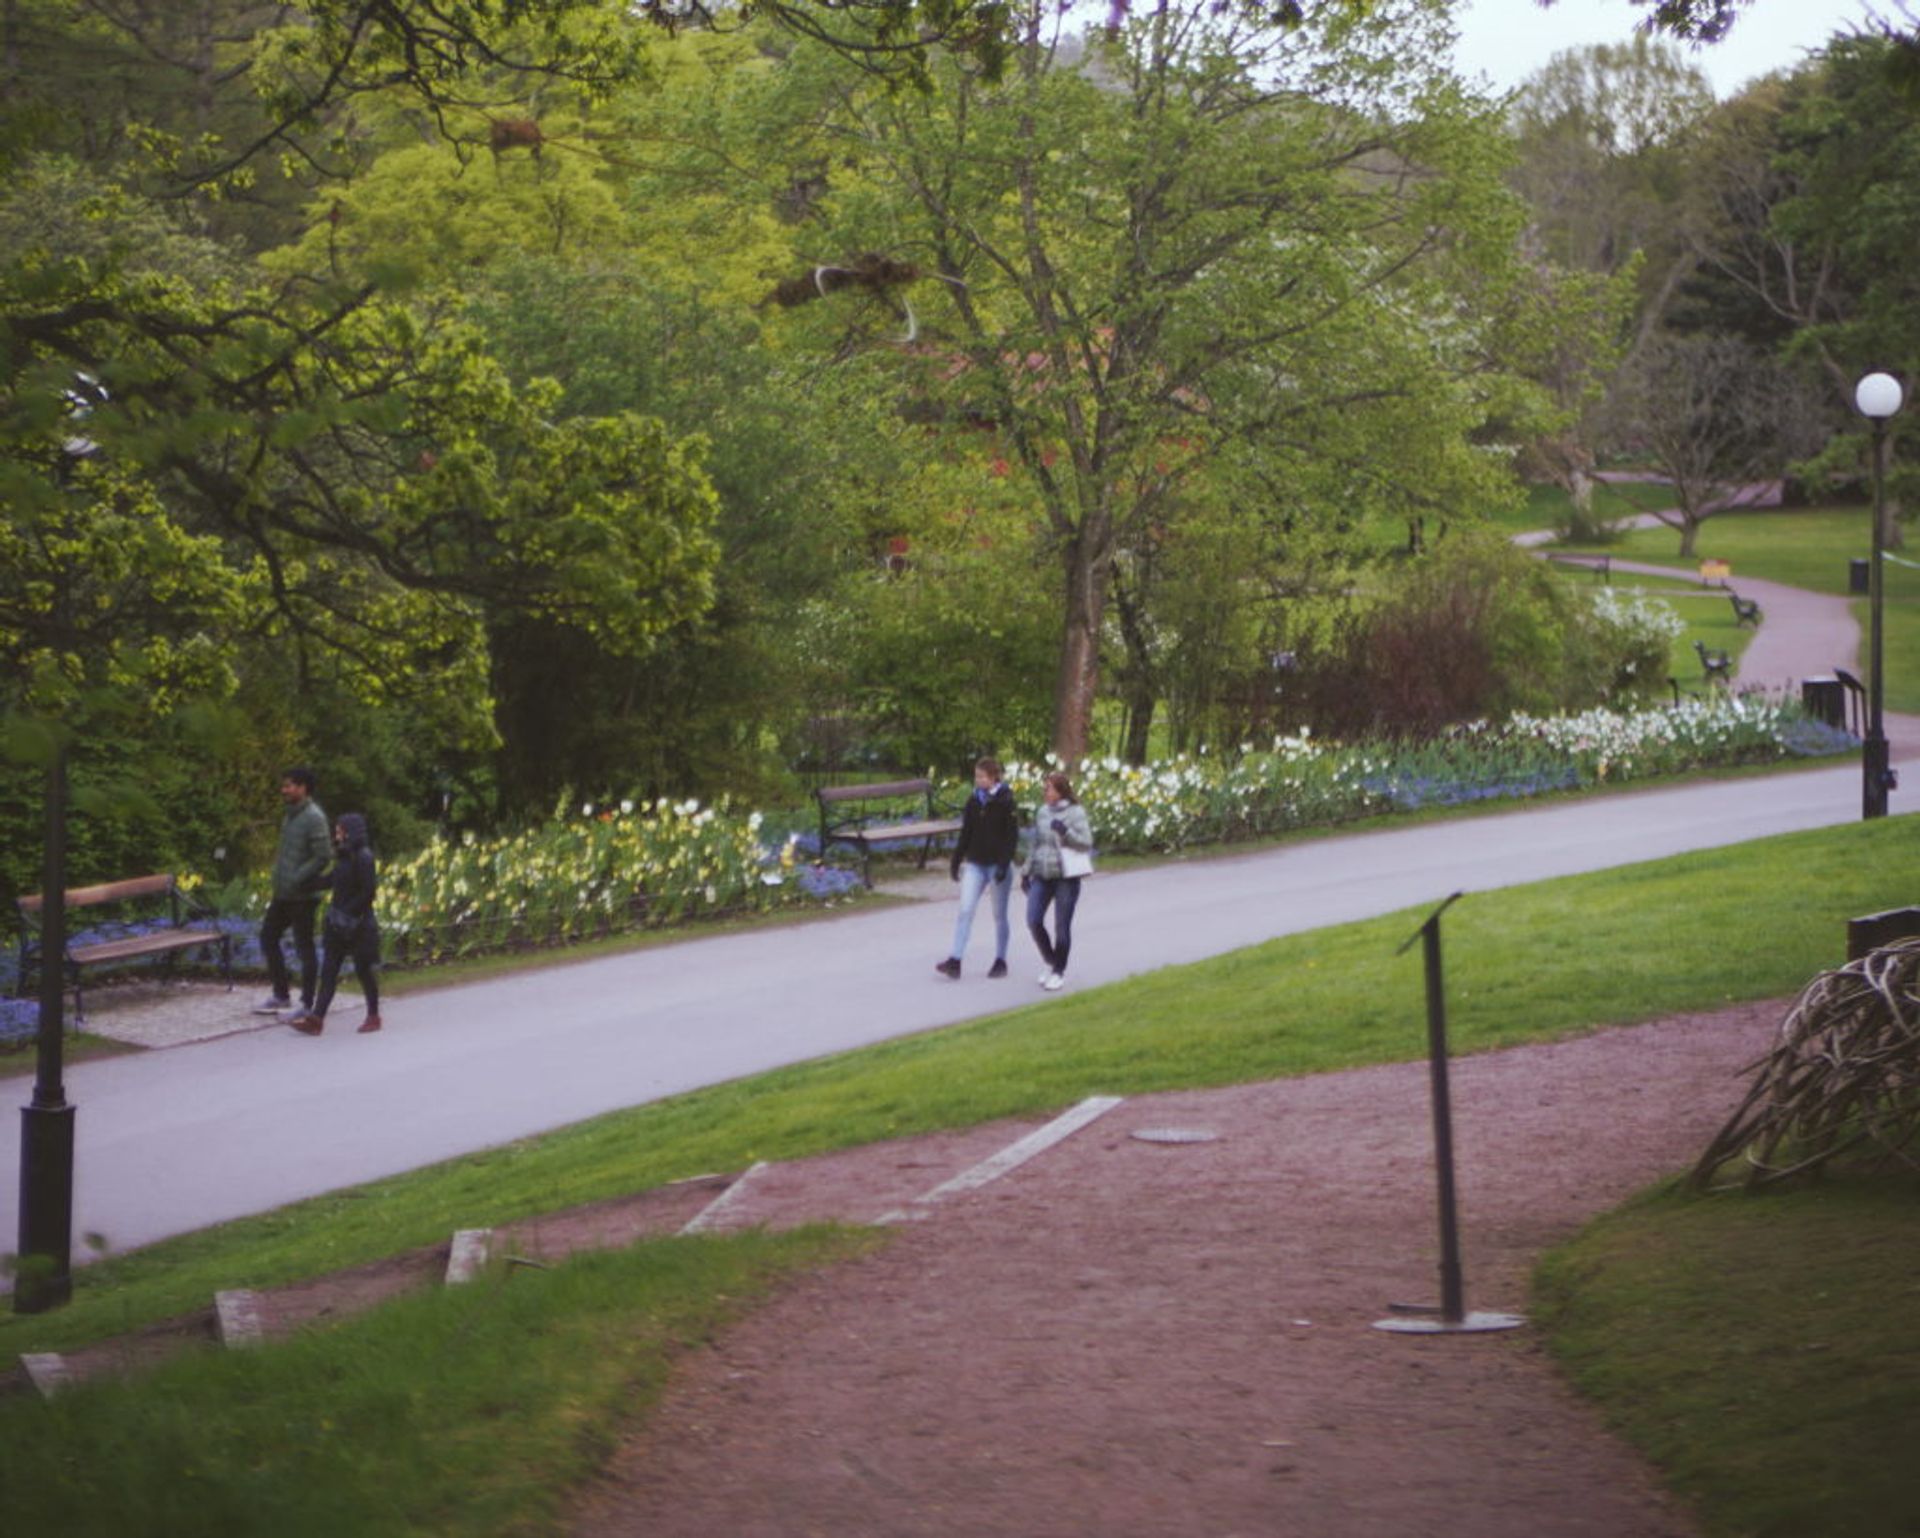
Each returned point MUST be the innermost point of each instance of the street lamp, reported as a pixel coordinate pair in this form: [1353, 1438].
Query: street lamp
[45, 1219]
[1878, 397]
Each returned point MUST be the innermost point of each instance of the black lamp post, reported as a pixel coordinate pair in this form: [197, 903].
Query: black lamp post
[1878, 397]
[45, 1279]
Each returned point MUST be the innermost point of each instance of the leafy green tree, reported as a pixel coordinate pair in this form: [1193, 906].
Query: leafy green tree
[1193, 237]
[360, 481]
[1602, 137]
[1809, 183]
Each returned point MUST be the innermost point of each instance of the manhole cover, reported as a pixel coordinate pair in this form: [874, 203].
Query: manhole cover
[1176, 1135]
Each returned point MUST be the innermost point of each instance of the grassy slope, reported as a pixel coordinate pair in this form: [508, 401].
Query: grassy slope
[471, 1410]
[1763, 1350]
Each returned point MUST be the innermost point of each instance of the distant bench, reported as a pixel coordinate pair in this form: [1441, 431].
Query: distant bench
[860, 830]
[185, 925]
[1718, 664]
[1745, 610]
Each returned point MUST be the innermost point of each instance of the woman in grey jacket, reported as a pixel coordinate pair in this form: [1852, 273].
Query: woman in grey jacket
[1061, 822]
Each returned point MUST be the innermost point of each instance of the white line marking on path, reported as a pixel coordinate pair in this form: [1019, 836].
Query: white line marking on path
[704, 1219]
[1009, 1158]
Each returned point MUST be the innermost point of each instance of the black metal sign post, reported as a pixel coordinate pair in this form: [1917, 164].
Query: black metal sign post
[1451, 1317]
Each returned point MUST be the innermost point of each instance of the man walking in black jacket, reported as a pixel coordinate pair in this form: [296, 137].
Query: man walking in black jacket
[299, 879]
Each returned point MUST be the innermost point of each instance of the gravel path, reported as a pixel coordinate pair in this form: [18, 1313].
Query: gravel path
[1132, 1338]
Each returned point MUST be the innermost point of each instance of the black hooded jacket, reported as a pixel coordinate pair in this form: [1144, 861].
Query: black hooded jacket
[989, 829]
[354, 880]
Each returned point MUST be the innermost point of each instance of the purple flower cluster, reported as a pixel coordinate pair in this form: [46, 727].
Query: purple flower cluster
[1807, 737]
[826, 882]
[1409, 793]
[19, 1020]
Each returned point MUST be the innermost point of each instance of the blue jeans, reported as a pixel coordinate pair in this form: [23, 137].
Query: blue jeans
[1063, 892]
[975, 879]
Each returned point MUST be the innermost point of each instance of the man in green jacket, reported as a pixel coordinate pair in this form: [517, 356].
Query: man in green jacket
[299, 880]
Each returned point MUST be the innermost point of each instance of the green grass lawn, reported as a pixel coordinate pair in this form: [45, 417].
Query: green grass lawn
[1802, 547]
[1762, 1349]
[1547, 507]
[473, 1410]
[1525, 964]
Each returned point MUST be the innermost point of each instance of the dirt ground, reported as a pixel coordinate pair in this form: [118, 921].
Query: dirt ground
[1127, 1337]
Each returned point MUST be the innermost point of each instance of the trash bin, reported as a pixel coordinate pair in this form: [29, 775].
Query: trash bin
[1857, 578]
[1825, 699]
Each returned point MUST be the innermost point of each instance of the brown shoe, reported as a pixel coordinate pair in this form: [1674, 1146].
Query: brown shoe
[371, 1023]
[308, 1025]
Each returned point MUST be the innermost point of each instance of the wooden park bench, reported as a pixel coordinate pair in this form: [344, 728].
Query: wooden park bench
[1745, 610]
[184, 925]
[860, 829]
[1718, 664]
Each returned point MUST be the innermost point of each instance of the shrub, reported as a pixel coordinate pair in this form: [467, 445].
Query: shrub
[1479, 629]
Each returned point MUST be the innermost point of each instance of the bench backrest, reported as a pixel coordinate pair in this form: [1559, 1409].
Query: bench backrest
[829, 794]
[105, 892]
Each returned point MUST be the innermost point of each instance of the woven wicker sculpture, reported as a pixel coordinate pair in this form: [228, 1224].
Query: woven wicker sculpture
[1844, 1075]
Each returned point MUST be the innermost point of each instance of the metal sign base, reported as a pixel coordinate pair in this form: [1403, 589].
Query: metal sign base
[1418, 1319]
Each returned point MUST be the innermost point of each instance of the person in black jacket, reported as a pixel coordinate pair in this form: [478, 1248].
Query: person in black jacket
[983, 862]
[350, 929]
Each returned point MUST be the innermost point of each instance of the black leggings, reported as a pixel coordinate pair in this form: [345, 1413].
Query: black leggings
[363, 946]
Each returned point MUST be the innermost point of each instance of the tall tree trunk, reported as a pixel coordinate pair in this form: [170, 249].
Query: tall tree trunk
[1140, 707]
[1137, 684]
[1078, 683]
[1580, 494]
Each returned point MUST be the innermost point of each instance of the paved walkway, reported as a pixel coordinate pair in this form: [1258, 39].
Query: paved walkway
[170, 1141]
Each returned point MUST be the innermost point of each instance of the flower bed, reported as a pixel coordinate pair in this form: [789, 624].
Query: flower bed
[1298, 782]
[605, 872]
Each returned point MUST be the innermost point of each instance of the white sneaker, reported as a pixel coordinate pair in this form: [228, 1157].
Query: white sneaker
[1046, 974]
[1054, 983]
[272, 1006]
